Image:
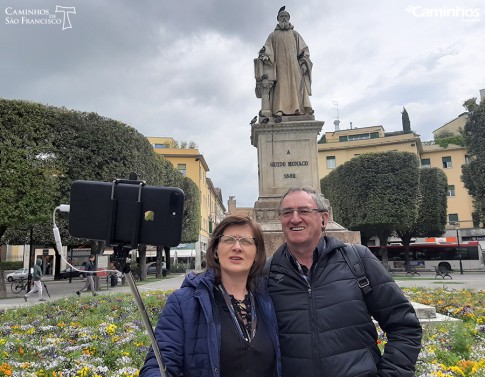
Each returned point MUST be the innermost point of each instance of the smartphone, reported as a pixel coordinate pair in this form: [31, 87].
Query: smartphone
[126, 213]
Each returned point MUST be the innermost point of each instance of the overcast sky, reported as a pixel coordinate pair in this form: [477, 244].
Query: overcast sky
[184, 68]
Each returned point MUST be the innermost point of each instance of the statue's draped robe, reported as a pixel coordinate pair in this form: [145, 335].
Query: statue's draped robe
[286, 49]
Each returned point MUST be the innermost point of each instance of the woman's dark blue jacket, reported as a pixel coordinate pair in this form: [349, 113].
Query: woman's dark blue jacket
[188, 331]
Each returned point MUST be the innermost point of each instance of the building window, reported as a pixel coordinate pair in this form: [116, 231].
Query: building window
[331, 162]
[161, 146]
[358, 137]
[451, 190]
[372, 135]
[425, 163]
[182, 168]
[453, 218]
[446, 162]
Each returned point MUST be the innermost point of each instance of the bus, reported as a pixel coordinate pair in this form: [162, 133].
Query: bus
[427, 256]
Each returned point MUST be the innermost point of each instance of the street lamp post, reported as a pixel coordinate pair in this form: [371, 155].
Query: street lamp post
[457, 226]
[31, 258]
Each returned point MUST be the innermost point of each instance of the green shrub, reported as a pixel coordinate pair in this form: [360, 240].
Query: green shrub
[10, 265]
[180, 268]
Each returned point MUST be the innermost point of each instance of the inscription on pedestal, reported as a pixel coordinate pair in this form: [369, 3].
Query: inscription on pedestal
[287, 155]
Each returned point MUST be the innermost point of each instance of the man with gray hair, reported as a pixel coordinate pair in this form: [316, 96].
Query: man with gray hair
[324, 312]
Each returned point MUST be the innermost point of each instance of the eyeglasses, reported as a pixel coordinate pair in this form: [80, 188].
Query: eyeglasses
[302, 212]
[243, 241]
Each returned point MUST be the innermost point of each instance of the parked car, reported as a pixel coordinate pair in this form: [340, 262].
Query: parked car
[21, 273]
[152, 268]
[64, 274]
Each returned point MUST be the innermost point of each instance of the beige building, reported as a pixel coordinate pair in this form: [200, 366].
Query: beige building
[454, 126]
[191, 163]
[233, 209]
[341, 146]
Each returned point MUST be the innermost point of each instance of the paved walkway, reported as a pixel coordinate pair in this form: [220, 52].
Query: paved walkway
[62, 288]
[472, 280]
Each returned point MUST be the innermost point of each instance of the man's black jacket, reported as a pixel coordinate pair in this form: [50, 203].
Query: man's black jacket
[325, 323]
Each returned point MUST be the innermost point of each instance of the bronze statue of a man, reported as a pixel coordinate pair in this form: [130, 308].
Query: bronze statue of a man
[283, 71]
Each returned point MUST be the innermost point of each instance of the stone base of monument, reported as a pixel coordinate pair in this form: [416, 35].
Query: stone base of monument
[338, 231]
[427, 314]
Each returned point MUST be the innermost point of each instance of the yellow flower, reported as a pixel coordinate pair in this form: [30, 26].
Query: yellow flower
[457, 370]
[111, 329]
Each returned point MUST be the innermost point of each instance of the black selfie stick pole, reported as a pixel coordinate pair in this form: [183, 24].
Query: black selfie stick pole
[121, 253]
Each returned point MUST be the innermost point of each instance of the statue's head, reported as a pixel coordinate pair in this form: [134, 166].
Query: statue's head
[283, 14]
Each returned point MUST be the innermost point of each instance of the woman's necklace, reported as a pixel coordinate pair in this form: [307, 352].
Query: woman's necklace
[236, 316]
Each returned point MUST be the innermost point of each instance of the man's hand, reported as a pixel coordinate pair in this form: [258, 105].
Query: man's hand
[263, 57]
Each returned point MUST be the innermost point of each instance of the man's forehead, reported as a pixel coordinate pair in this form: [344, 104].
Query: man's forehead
[298, 199]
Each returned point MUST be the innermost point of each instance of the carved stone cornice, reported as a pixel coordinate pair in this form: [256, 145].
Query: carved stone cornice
[295, 127]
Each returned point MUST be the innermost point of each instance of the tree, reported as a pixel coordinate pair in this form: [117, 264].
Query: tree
[26, 171]
[375, 193]
[432, 209]
[26, 167]
[473, 174]
[185, 145]
[47, 148]
[191, 220]
[406, 123]
[445, 138]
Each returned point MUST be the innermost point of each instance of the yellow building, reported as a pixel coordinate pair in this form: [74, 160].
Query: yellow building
[340, 146]
[191, 163]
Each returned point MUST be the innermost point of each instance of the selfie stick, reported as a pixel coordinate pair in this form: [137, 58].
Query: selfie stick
[121, 257]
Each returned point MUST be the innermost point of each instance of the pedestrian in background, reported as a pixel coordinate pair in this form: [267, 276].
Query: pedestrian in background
[37, 277]
[90, 268]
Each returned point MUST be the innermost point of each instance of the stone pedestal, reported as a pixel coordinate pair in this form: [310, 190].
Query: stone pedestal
[287, 157]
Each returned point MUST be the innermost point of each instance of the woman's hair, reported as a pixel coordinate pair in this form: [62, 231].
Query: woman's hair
[259, 260]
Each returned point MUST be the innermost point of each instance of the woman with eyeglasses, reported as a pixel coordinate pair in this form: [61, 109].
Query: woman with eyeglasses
[221, 322]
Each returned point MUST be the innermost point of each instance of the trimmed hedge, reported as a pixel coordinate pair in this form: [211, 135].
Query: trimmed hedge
[10, 265]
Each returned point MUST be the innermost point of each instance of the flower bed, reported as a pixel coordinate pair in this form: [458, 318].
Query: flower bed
[103, 336]
[452, 348]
